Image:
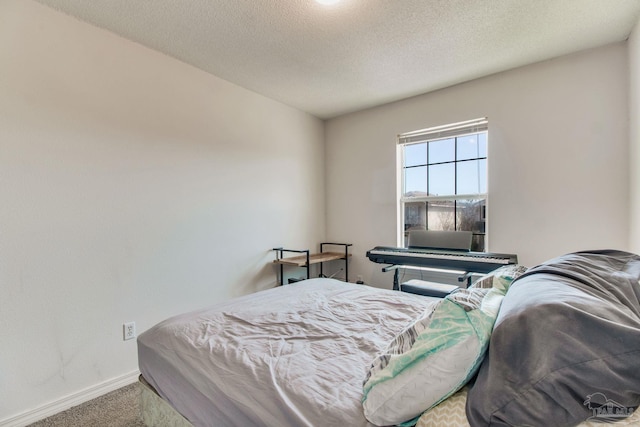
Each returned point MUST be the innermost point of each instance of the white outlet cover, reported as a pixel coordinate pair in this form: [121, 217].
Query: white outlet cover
[129, 331]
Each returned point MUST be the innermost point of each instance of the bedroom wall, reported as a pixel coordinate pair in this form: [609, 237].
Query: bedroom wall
[132, 187]
[634, 138]
[558, 159]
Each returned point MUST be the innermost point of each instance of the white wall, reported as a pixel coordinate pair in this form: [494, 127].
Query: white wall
[634, 138]
[132, 187]
[558, 167]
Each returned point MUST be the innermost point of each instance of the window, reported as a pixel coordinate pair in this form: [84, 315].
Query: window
[444, 180]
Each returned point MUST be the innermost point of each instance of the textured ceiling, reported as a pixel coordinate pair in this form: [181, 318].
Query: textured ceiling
[330, 60]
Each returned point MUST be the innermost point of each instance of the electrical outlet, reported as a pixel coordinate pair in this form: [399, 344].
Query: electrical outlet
[129, 331]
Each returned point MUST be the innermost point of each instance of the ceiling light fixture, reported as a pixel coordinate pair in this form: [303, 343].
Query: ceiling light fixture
[328, 2]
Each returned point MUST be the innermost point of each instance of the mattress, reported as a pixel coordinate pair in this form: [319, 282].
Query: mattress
[295, 355]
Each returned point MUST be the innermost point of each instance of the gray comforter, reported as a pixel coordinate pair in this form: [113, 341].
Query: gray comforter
[566, 345]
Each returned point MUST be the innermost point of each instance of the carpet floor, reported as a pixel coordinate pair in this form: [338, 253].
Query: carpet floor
[120, 408]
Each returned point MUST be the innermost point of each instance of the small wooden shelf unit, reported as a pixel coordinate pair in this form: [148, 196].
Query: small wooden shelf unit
[308, 259]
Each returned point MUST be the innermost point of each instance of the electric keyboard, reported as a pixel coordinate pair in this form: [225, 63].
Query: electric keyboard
[477, 262]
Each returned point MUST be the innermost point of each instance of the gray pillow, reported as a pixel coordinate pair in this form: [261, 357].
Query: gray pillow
[566, 345]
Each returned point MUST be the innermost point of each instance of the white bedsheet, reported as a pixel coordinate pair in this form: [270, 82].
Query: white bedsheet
[295, 355]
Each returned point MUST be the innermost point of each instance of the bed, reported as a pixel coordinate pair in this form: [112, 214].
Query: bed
[327, 353]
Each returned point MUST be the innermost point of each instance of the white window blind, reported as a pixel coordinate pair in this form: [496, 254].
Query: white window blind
[443, 132]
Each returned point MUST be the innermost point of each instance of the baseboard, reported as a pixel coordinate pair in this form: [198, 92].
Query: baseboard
[69, 401]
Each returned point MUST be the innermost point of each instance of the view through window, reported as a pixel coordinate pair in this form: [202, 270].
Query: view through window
[444, 180]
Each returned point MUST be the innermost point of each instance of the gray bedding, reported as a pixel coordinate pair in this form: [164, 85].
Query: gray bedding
[295, 355]
[565, 347]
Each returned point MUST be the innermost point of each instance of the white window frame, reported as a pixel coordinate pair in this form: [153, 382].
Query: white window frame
[433, 134]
